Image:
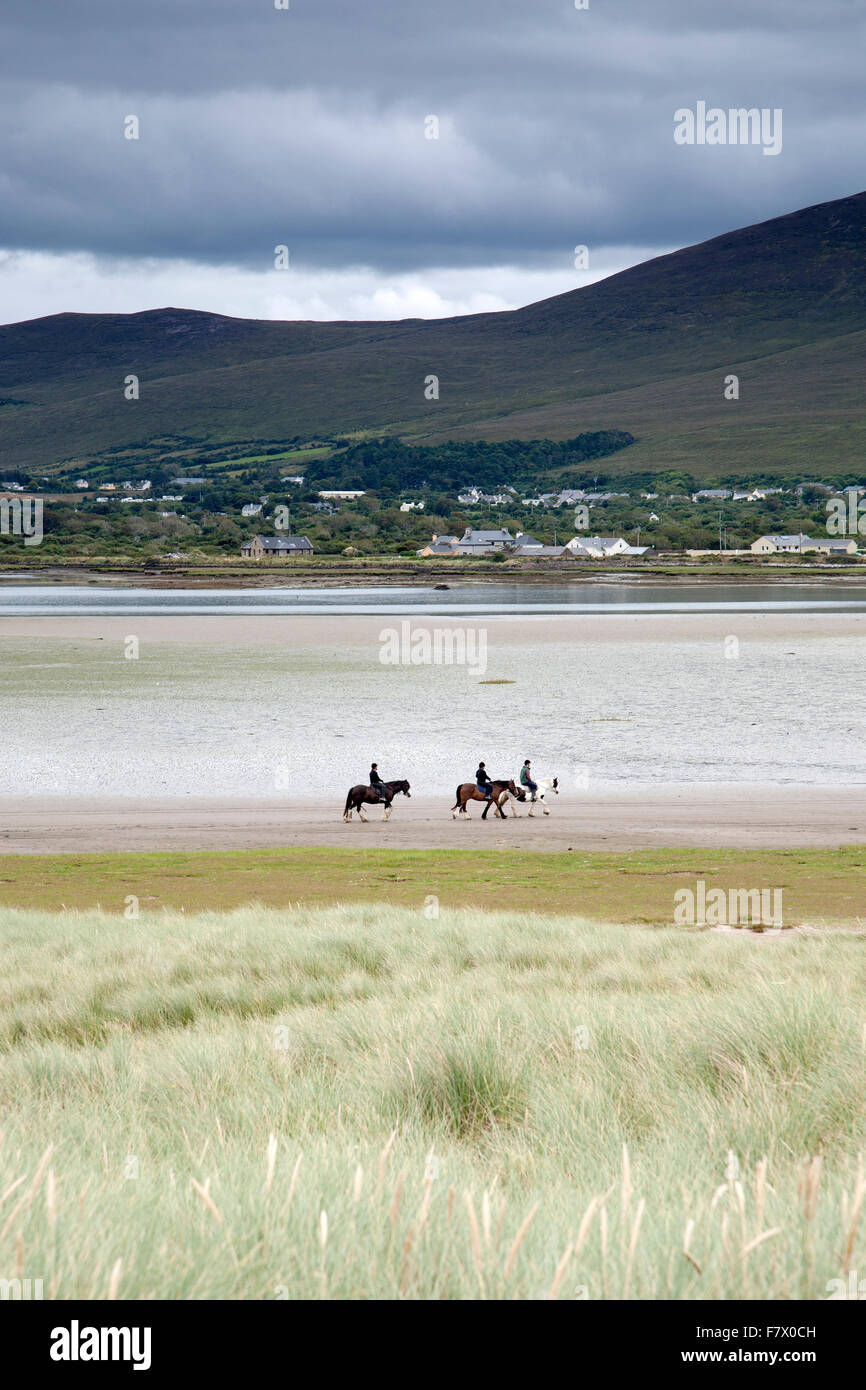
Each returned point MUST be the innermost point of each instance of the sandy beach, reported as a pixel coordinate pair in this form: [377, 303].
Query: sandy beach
[699, 817]
[333, 630]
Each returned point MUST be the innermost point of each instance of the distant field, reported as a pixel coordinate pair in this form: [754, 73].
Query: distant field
[366, 1103]
[295, 455]
[818, 885]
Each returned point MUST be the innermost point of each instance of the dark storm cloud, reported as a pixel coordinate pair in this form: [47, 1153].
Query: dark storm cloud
[261, 127]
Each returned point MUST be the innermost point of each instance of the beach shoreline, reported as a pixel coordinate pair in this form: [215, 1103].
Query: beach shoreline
[324, 629]
[687, 816]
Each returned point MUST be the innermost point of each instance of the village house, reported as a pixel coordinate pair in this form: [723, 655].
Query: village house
[781, 545]
[802, 545]
[601, 547]
[838, 545]
[445, 546]
[483, 542]
[472, 496]
[276, 548]
[539, 552]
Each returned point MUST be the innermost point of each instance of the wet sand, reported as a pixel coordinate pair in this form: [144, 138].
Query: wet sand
[323, 629]
[746, 817]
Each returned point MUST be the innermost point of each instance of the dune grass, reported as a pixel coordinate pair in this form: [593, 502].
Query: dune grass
[364, 1103]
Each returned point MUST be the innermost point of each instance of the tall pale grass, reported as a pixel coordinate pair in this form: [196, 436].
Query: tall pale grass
[361, 1103]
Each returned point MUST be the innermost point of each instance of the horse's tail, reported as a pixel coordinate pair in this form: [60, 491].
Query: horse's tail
[348, 802]
[457, 797]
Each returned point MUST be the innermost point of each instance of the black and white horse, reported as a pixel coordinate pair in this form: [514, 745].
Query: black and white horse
[362, 796]
[547, 786]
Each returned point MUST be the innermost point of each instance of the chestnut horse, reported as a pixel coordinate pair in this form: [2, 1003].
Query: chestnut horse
[468, 791]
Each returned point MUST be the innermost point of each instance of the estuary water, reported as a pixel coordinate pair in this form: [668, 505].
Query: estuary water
[750, 685]
[492, 600]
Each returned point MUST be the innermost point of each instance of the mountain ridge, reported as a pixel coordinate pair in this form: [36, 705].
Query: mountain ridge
[645, 350]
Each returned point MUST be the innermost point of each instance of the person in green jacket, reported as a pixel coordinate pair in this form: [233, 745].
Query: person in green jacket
[526, 779]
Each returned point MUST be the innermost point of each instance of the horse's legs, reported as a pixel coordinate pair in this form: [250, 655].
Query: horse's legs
[361, 812]
[386, 812]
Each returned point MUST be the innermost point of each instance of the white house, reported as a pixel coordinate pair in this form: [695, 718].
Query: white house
[411, 506]
[251, 509]
[801, 545]
[342, 494]
[599, 547]
[782, 545]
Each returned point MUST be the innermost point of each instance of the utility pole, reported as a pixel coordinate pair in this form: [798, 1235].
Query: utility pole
[720, 533]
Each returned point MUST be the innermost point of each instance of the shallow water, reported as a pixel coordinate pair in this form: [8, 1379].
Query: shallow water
[490, 599]
[212, 719]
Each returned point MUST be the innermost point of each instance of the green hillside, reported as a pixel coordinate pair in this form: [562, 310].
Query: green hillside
[780, 304]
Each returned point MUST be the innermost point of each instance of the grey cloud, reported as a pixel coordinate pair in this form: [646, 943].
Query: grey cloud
[261, 127]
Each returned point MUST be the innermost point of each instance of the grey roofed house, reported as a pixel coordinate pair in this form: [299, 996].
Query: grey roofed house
[439, 545]
[438, 548]
[844, 545]
[279, 547]
[524, 539]
[485, 542]
[771, 544]
[711, 493]
[539, 552]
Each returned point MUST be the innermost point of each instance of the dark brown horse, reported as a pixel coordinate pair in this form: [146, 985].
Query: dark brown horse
[373, 796]
[468, 791]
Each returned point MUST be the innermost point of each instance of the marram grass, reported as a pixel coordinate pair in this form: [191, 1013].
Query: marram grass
[361, 1103]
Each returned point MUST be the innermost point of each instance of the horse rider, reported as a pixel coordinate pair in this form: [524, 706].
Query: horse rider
[376, 781]
[526, 780]
[483, 782]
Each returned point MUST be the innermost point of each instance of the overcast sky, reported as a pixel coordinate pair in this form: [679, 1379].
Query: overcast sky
[307, 128]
